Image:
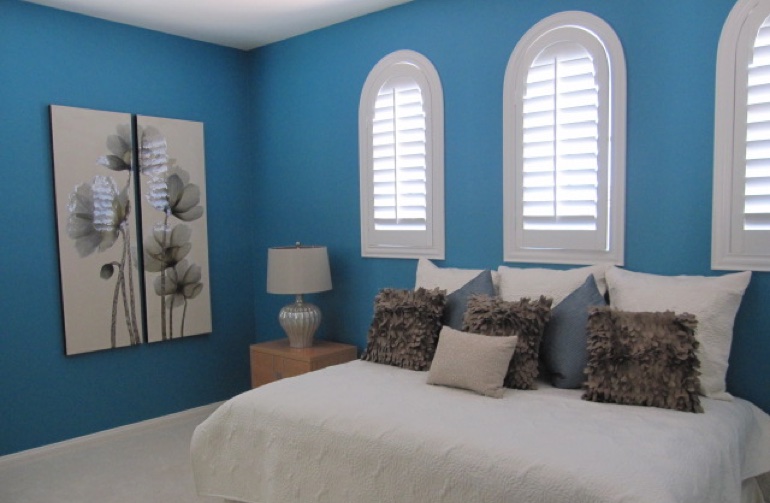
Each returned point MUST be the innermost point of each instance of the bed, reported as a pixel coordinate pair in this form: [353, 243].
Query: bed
[365, 431]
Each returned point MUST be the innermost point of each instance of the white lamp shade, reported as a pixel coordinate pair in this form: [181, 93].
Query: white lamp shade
[296, 270]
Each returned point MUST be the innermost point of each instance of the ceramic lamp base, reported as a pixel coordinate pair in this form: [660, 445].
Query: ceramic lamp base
[300, 321]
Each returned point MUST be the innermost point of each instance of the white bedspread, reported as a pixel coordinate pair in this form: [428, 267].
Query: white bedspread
[363, 432]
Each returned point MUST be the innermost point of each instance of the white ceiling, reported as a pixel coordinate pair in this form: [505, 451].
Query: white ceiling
[243, 24]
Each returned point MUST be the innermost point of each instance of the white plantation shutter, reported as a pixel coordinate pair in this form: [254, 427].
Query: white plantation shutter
[560, 165]
[401, 159]
[564, 151]
[741, 212]
[757, 177]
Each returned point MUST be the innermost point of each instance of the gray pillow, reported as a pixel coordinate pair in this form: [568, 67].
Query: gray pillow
[644, 358]
[564, 349]
[405, 327]
[457, 301]
[471, 361]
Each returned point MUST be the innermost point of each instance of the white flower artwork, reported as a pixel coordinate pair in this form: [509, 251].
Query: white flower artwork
[97, 229]
[96, 180]
[172, 181]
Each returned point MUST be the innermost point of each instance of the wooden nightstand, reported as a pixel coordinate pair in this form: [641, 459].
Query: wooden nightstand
[275, 360]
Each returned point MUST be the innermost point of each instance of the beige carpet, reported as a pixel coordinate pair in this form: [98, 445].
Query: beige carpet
[148, 463]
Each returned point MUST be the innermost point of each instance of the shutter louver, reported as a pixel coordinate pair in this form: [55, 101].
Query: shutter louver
[757, 186]
[560, 141]
[399, 157]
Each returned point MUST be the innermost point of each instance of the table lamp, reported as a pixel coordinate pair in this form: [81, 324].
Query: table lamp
[297, 270]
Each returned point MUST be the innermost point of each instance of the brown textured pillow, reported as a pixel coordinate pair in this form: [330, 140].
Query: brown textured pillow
[405, 327]
[524, 318]
[642, 358]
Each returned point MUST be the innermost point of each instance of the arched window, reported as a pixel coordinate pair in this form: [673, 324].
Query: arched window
[741, 210]
[401, 143]
[564, 143]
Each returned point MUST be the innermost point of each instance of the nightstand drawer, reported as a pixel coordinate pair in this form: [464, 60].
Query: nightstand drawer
[285, 367]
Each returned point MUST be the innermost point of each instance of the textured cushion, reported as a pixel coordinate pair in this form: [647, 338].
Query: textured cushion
[713, 300]
[457, 301]
[471, 361]
[516, 283]
[564, 349]
[523, 318]
[450, 279]
[638, 358]
[405, 327]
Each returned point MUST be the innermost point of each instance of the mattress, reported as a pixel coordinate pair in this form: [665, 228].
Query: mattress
[365, 432]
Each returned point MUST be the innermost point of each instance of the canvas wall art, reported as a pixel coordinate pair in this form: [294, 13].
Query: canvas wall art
[133, 243]
[174, 232]
[97, 232]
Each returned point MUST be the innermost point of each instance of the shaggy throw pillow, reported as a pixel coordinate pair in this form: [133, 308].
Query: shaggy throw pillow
[471, 361]
[642, 358]
[405, 327]
[714, 300]
[525, 319]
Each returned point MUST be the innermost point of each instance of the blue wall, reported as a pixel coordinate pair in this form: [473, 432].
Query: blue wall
[282, 166]
[48, 56]
[306, 110]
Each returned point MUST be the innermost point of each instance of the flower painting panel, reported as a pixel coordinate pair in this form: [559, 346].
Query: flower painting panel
[172, 183]
[94, 190]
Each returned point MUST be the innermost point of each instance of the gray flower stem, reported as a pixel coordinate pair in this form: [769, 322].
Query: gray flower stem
[184, 315]
[133, 325]
[130, 311]
[113, 332]
[163, 334]
[170, 319]
[131, 293]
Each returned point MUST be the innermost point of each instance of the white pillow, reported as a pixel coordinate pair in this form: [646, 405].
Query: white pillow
[516, 283]
[430, 276]
[471, 361]
[713, 300]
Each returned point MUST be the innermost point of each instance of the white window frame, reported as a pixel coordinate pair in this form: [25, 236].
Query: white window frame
[729, 241]
[569, 26]
[427, 243]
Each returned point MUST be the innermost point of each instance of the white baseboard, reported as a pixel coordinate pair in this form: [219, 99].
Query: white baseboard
[102, 436]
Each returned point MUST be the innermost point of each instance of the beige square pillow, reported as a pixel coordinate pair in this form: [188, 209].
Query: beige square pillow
[471, 361]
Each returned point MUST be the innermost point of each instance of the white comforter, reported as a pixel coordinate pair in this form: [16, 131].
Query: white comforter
[363, 432]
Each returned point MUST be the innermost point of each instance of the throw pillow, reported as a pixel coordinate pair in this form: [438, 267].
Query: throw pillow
[713, 300]
[405, 327]
[457, 301]
[430, 276]
[642, 358]
[516, 283]
[523, 318]
[564, 349]
[471, 361]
